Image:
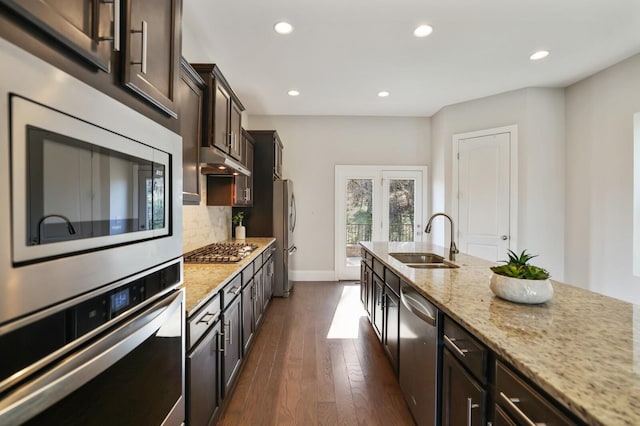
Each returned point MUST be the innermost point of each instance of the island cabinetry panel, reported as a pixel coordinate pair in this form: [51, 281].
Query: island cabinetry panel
[518, 402]
[464, 377]
[464, 399]
[366, 280]
[223, 113]
[377, 315]
[190, 102]
[390, 336]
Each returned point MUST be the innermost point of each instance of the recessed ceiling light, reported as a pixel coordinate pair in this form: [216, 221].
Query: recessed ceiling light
[423, 31]
[539, 55]
[283, 27]
[293, 93]
[383, 94]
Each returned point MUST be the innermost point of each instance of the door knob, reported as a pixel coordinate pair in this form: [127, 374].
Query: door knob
[504, 238]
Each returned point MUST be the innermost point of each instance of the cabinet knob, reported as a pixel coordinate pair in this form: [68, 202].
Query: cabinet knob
[504, 238]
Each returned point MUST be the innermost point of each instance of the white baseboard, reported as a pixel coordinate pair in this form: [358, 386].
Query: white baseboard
[312, 275]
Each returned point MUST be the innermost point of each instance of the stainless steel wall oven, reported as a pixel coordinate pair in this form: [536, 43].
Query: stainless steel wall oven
[91, 311]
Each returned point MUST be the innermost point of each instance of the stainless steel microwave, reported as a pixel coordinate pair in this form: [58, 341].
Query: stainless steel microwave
[90, 190]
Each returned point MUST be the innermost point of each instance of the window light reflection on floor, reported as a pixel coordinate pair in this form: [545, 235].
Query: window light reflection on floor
[346, 318]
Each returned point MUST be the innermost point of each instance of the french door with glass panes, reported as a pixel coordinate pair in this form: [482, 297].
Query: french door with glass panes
[376, 203]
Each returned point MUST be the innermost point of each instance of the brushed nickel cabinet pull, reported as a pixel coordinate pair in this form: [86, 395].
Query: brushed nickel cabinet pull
[511, 402]
[451, 341]
[145, 36]
[116, 24]
[206, 318]
[470, 407]
[230, 339]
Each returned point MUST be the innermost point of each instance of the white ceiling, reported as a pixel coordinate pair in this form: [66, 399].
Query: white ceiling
[343, 52]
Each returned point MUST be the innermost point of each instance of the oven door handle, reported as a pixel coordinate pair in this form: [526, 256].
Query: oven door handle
[77, 369]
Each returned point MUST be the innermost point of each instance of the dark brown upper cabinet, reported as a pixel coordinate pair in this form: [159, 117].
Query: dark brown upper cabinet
[244, 184]
[223, 113]
[190, 103]
[141, 37]
[87, 27]
[151, 53]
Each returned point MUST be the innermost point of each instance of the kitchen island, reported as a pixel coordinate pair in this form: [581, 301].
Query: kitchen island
[581, 348]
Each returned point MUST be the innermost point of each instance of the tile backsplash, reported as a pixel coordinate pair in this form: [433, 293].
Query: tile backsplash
[202, 224]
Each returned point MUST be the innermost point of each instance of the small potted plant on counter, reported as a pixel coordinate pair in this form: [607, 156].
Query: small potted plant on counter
[240, 230]
[518, 281]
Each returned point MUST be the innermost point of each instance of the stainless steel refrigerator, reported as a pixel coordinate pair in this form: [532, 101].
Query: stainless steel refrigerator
[284, 225]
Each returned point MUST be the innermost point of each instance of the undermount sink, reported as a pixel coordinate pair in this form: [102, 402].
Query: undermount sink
[423, 260]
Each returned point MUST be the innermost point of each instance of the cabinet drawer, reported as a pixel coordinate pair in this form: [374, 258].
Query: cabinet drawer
[203, 320]
[247, 273]
[378, 268]
[231, 291]
[392, 281]
[367, 258]
[522, 402]
[467, 349]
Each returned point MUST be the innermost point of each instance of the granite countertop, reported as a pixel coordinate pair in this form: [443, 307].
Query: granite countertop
[201, 281]
[581, 347]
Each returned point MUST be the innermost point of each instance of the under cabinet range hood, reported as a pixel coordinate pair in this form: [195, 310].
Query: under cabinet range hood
[214, 162]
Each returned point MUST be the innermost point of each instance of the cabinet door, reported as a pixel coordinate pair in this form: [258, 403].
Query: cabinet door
[258, 297]
[269, 279]
[220, 132]
[84, 26]
[235, 132]
[191, 98]
[203, 399]
[247, 316]
[391, 327]
[378, 305]
[463, 399]
[151, 56]
[232, 323]
[370, 292]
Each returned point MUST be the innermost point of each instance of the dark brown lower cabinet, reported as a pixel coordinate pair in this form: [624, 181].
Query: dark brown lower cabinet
[378, 305]
[232, 324]
[519, 403]
[258, 297]
[391, 337]
[203, 365]
[464, 400]
[248, 326]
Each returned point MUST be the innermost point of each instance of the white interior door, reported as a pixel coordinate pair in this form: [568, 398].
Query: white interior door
[375, 203]
[484, 196]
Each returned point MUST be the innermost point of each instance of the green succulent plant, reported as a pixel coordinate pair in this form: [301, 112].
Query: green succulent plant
[518, 267]
[237, 218]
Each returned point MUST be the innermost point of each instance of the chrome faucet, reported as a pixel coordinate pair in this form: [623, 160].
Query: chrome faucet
[453, 250]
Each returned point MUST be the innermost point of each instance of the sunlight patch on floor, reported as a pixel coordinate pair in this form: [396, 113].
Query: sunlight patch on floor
[346, 319]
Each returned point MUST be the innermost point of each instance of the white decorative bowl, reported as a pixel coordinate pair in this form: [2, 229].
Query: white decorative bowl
[520, 290]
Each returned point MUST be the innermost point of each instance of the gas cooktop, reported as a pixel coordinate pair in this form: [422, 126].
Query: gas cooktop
[227, 252]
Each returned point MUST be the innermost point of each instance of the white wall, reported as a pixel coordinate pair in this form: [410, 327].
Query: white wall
[313, 145]
[599, 179]
[539, 115]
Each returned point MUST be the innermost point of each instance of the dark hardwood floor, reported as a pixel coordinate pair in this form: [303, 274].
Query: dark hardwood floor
[307, 369]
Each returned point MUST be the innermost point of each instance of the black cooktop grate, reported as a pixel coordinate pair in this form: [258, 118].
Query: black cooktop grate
[228, 252]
